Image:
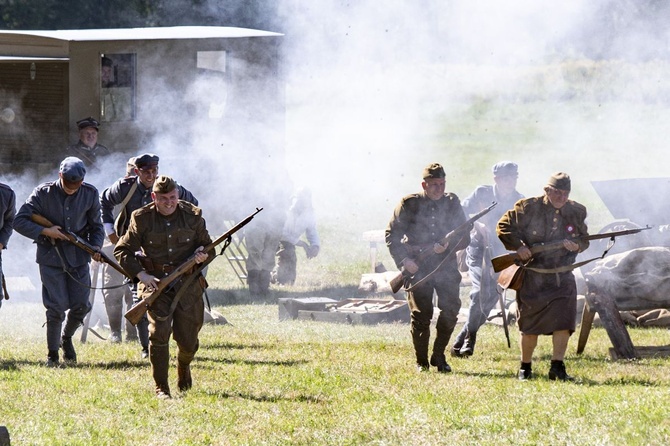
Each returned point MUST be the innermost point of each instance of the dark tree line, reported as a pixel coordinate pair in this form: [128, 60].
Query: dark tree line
[86, 14]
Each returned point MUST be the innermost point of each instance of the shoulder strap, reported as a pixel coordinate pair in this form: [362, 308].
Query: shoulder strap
[121, 218]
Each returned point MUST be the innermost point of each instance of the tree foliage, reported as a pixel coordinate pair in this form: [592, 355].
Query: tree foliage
[83, 14]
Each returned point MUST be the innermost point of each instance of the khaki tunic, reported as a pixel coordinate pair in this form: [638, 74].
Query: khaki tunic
[167, 241]
[547, 302]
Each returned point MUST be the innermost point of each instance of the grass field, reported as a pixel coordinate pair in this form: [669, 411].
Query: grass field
[262, 381]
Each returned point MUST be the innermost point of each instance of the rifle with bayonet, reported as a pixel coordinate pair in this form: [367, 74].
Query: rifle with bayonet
[506, 260]
[426, 251]
[80, 243]
[135, 314]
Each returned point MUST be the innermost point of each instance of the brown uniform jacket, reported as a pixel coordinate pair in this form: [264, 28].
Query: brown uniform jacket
[534, 220]
[418, 220]
[165, 240]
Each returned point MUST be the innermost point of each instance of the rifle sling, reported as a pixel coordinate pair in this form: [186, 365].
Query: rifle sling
[67, 271]
[427, 276]
[196, 272]
[4, 286]
[560, 269]
[118, 220]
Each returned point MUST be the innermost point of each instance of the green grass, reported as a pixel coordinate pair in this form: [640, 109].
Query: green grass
[262, 381]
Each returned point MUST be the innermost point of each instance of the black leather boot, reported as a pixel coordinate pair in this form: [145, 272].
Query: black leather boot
[557, 372]
[458, 343]
[468, 348]
[421, 340]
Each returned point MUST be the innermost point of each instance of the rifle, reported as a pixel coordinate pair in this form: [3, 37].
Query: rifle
[506, 260]
[81, 244]
[426, 251]
[135, 314]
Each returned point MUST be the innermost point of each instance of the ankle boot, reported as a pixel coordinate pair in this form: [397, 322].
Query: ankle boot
[184, 380]
[52, 359]
[420, 340]
[69, 354]
[557, 372]
[458, 343]
[468, 348]
[264, 283]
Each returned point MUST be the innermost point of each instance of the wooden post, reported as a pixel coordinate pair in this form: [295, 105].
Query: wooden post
[616, 330]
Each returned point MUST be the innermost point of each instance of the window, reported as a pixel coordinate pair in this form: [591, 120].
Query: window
[212, 82]
[117, 87]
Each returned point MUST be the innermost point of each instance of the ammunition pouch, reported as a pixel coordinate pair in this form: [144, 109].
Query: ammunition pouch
[512, 277]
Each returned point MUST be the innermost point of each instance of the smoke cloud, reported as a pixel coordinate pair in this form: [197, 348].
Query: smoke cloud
[377, 90]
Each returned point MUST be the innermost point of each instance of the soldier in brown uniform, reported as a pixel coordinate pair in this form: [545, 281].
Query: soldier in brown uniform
[422, 220]
[167, 231]
[547, 300]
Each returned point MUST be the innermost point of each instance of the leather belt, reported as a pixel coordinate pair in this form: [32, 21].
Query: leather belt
[152, 266]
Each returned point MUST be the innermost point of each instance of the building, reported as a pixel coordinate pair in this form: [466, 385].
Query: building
[172, 90]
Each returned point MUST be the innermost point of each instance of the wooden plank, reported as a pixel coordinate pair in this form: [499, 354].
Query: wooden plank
[585, 327]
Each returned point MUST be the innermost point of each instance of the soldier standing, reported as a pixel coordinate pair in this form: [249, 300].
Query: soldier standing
[8, 211]
[87, 148]
[129, 193]
[168, 232]
[72, 205]
[483, 246]
[547, 299]
[423, 220]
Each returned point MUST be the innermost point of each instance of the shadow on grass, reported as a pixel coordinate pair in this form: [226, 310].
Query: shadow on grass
[301, 398]
[14, 365]
[231, 346]
[286, 363]
[241, 296]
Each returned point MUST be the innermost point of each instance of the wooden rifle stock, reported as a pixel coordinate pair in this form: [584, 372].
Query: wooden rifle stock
[506, 260]
[136, 313]
[80, 243]
[426, 251]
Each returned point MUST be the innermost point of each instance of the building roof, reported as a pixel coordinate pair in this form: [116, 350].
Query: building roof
[55, 45]
[172, 32]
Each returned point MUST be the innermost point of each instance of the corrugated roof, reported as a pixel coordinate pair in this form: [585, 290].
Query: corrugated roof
[173, 32]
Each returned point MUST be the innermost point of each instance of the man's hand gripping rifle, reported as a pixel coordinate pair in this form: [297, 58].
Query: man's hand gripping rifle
[506, 260]
[427, 251]
[135, 314]
[81, 244]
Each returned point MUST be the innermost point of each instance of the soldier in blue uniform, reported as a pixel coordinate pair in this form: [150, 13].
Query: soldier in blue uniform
[484, 245]
[130, 193]
[8, 212]
[87, 148]
[72, 205]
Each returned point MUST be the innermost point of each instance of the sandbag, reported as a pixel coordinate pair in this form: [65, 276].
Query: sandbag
[637, 279]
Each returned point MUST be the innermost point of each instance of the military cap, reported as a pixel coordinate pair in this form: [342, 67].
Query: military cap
[72, 169]
[559, 180]
[164, 184]
[130, 166]
[433, 170]
[506, 169]
[88, 122]
[146, 160]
